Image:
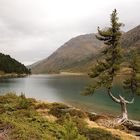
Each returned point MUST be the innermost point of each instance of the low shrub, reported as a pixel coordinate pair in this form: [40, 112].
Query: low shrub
[42, 106]
[100, 134]
[58, 109]
[77, 113]
[71, 131]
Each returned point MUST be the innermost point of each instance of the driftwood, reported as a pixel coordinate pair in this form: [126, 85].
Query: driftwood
[133, 126]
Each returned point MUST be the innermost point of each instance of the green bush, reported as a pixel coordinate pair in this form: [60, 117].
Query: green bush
[77, 113]
[42, 106]
[58, 109]
[71, 131]
[100, 134]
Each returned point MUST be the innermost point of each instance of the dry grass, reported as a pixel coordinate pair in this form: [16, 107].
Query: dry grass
[91, 124]
[123, 135]
[44, 113]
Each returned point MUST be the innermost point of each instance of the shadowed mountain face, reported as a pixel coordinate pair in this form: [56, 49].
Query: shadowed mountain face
[80, 53]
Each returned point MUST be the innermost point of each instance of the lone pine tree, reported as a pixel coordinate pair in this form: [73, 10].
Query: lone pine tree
[107, 69]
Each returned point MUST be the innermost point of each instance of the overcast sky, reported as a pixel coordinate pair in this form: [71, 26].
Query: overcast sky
[31, 30]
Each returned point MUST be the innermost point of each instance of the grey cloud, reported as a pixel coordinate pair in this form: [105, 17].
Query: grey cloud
[32, 29]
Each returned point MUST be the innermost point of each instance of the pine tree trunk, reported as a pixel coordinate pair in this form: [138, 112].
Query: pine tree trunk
[124, 116]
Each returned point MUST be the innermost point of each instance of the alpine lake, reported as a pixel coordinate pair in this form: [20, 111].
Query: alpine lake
[67, 89]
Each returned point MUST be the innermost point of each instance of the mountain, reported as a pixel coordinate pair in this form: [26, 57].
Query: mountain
[131, 38]
[73, 54]
[10, 65]
[80, 53]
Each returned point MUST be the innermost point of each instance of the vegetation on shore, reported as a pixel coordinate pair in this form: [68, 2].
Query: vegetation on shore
[11, 66]
[11, 75]
[24, 118]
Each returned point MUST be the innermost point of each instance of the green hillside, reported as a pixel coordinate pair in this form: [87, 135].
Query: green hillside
[10, 65]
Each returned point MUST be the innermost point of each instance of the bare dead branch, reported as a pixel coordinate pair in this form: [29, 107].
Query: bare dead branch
[130, 102]
[112, 97]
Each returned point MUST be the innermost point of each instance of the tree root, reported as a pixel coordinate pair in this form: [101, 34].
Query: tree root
[121, 121]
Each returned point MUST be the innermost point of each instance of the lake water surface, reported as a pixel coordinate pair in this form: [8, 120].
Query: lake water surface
[67, 89]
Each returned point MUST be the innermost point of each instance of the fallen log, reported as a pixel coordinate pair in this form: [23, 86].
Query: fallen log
[134, 127]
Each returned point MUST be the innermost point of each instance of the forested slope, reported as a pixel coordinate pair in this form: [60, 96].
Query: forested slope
[10, 65]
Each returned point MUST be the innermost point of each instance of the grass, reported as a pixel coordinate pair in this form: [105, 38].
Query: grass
[20, 119]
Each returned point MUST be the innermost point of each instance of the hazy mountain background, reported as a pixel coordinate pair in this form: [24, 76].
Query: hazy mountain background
[80, 53]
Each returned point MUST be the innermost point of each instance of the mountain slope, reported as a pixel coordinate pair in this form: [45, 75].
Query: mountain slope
[75, 52]
[10, 65]
[80, 53]
[131, 38]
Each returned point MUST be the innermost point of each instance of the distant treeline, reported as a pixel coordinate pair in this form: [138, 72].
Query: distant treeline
[10, 65]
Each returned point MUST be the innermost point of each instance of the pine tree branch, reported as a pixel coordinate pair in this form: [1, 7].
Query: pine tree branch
[112, 97]
[101, 38]
[128, 102]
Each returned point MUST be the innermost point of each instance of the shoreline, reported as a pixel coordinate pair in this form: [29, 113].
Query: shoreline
[105, 118]
[72, 73]
[12, 75]
[84, 110]
[62, 73]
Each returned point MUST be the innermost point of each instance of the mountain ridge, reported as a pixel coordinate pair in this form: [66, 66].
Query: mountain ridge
[81, 52]
[76, 50]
